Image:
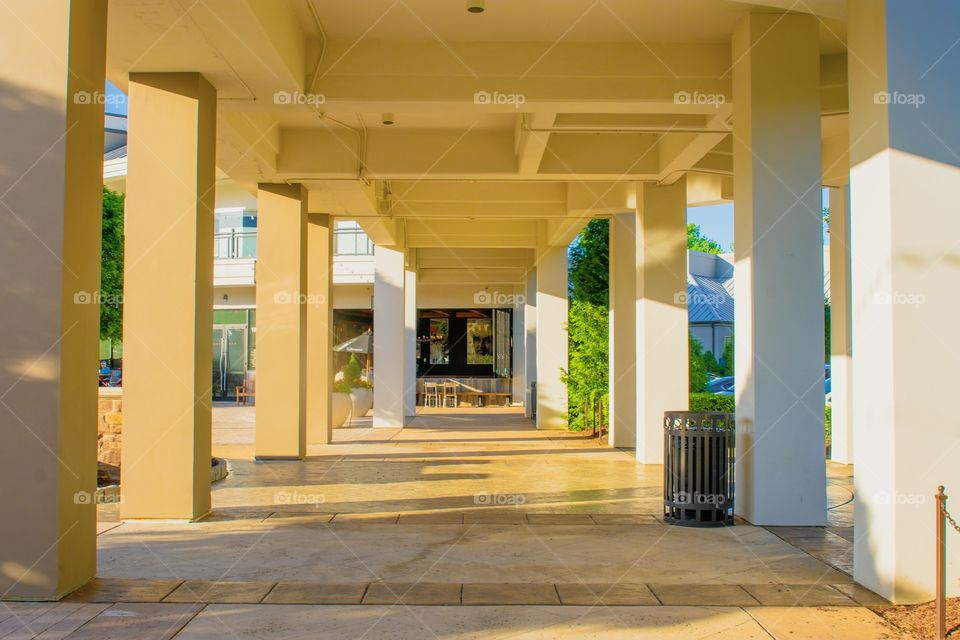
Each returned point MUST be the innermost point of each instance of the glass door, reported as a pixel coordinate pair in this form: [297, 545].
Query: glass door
[229, 359]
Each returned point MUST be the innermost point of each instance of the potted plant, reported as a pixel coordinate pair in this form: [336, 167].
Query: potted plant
[341, 403]
[361, 391]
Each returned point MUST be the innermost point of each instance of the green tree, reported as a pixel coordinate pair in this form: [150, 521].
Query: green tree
[826, 331]
[590, 264]
[726, 367]
[698, 368]
[586, 379]
[111, 267]
[696, 241]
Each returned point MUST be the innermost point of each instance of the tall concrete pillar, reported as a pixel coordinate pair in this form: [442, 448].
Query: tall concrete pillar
[841, 361]
[904, 190]
[530, 339]
[282, 303]
[168, 286]
[518, 357]
[319, 301]
[781, 477]
[52, 161]
[410, 335]
[662, 363]
[551, 337]
[389, 337]
[623, 330]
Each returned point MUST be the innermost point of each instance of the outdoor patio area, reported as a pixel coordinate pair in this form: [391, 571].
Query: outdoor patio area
[462, 508]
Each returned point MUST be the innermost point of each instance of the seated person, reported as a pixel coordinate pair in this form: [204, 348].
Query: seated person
[104, 369]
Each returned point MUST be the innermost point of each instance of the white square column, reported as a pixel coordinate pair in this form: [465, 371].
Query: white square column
[841, 353]
[282, 287]
[781, 449]
[519, 347]
[552, 347]
[662, 345]
[410, 332]
[319, 354]
[530, 338]
[904, 194]
[389, 337]
[51, 124]
[623, 330]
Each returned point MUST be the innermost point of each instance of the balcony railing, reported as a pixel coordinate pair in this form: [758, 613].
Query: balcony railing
[235, 244]
[351, 242]
[243, 244]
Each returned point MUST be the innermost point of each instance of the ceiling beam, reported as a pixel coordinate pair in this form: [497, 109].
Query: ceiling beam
[530, 142]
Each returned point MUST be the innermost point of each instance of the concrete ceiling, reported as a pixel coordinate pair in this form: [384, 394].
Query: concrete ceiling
[532, 115]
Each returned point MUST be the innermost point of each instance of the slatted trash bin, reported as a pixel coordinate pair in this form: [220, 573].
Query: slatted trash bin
[698, 468]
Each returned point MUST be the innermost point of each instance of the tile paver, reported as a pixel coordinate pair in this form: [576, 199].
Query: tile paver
[803, 595]
[124, 590]
[606, 594]
[216, 591]
[509, 593]
[703, 594]
[421, 593]
[316, 593]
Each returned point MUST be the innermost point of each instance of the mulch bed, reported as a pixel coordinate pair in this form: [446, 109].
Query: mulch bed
[919, 620]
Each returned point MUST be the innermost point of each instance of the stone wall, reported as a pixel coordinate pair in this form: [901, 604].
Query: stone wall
[109, 434]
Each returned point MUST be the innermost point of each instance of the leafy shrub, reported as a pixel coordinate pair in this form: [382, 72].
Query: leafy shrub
[351, 377]
[698, 365]
[711, 402]
[586, 380]
[828, 426]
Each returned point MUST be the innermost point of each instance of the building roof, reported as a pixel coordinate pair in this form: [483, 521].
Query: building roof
[115, 154]
[709, 299]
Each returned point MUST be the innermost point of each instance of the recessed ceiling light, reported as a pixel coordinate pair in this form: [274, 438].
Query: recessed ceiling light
[475, 6]
[387, 118]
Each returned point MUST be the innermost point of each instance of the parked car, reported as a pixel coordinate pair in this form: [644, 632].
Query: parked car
[721, 386]
[724, 385]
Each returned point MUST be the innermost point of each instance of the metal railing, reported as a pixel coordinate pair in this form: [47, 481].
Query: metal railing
[235, 244]
[351, 241]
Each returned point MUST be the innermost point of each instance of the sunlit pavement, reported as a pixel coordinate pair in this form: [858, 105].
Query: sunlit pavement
[464, 524]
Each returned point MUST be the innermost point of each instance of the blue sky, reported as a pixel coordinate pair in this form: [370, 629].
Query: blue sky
[116, 102]
[716, 222]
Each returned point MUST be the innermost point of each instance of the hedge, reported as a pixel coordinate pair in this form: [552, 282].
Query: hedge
[711, 402]
[714, 402]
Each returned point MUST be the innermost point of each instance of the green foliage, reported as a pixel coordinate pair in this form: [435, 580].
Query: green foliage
[698, 365]
[351, 373]
[828, 426]
[726, 368]
[111, 267]
[711, 402]
[590, 264]
[586, 379]
[710, 363]
[696, 241]
[826, 331]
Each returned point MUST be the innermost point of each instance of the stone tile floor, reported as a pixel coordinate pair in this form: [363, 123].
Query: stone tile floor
[463, 525]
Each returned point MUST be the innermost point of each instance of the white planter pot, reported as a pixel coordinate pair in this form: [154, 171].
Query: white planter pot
[362, 401]
[342, 404]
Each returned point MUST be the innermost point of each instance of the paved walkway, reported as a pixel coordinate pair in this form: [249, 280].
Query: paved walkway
[472, 511]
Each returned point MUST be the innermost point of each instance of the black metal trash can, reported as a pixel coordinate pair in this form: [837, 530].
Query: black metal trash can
[698, 468]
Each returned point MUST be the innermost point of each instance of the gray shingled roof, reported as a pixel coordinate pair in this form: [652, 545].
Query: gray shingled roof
[709, 299]
[119, 152]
